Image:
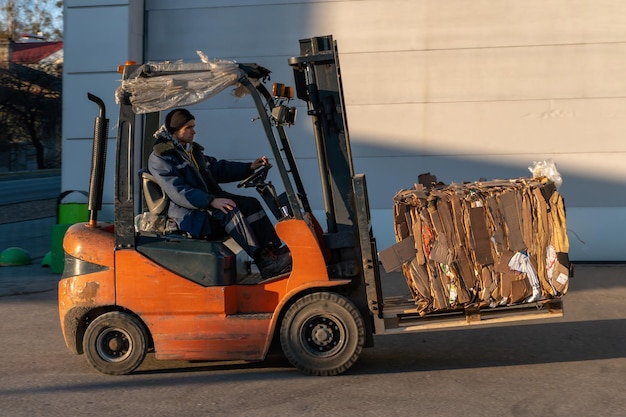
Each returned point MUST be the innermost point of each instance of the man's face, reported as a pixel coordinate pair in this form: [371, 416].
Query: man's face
[186, 133]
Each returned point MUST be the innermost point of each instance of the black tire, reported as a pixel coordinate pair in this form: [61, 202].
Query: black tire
[115, 343]
[322, 334]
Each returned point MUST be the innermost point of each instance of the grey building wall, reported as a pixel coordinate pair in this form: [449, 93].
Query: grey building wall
[460, 89]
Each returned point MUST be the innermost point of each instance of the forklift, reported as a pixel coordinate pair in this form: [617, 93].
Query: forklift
[136, 285]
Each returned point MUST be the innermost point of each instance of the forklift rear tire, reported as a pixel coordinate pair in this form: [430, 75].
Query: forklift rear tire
[115, 343]
[322, 334]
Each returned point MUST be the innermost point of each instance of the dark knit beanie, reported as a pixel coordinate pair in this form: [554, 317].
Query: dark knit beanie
[177, 119]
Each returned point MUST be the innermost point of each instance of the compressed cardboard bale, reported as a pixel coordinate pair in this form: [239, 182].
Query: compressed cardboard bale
[480, 242]
[496, 225]
[420, 255]
[437, 288]
[459, 293]
[506, 285]
[467, 271]
[520, 289]
[395, 256]
[510, 205]
[529, 225]
[419, 279]
[467, 236]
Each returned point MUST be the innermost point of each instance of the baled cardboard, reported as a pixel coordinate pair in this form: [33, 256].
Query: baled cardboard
[455, 242]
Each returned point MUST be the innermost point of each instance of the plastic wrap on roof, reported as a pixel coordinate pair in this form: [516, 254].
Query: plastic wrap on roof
[157, 86]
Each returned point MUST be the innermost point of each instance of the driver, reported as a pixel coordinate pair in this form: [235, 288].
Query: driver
[198, 204]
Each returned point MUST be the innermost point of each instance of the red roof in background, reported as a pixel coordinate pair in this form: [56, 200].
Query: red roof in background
[33, 52]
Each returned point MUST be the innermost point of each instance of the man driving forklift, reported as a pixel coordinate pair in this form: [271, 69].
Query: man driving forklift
[200, 207]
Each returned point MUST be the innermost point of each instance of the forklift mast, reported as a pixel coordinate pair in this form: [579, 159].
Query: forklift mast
[350, 239]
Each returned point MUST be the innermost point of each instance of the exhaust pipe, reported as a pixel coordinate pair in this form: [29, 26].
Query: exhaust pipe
[98, 161]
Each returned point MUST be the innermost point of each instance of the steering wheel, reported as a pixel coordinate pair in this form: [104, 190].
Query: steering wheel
[256, 178]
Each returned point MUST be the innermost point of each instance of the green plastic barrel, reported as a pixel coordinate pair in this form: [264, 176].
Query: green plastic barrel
[68, 213]
[57, 255]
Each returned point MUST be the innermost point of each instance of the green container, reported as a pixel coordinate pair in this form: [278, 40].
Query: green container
[57, 254]
[70, 213]
[67, 215]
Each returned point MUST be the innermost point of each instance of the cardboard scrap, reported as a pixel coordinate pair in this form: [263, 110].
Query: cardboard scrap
[455, 242]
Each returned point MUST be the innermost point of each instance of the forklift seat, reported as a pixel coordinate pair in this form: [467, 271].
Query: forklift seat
[156, 220]
[154, 196]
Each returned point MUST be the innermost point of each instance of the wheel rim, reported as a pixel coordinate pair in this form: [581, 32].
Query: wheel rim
[114, 344]
[323, 335]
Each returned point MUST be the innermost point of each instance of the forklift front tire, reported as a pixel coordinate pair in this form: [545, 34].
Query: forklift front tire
[322, 334]
[115, 343]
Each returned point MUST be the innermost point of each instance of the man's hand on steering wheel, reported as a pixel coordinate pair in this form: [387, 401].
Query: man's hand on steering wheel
[259, 162]
[258, 176]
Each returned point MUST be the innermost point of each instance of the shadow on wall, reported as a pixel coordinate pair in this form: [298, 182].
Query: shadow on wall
[595, 206]
[388, 174]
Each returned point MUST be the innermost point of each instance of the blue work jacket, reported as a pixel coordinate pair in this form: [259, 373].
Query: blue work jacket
[191, 189]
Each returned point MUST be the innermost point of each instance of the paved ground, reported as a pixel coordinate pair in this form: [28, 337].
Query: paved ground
[27, 226]
[34, 237]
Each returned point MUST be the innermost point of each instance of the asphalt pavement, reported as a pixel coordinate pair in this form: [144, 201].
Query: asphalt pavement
[34, 237]
[28, 212]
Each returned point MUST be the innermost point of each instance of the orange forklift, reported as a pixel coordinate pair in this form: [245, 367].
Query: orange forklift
[137, 285]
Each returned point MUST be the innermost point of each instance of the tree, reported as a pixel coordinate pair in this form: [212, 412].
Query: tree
[30, 109]
[30, 95]
[41, 18]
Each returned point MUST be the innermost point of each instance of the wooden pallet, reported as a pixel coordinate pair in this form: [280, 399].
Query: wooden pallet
[400, 315]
